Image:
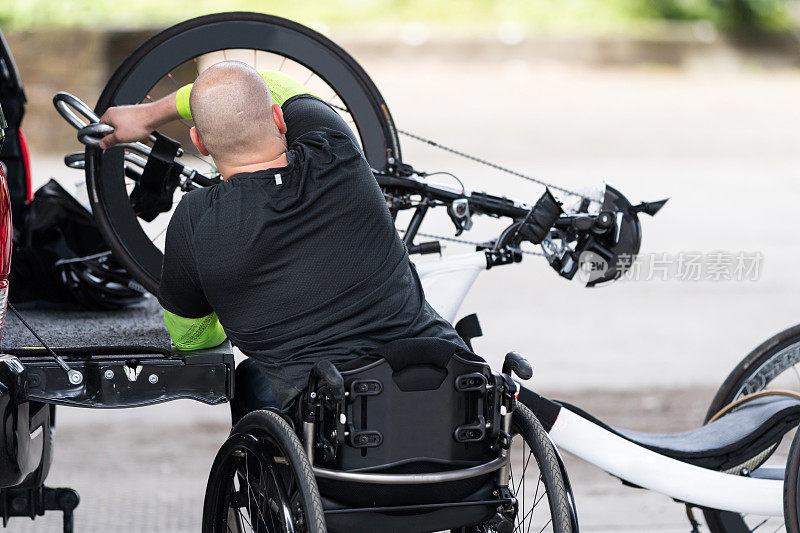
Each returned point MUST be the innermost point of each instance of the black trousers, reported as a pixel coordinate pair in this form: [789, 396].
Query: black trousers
[251, 390]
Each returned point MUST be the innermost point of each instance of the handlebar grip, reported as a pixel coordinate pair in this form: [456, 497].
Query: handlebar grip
[543, 216]
[91, 134]
[433, 247]
[75, 160]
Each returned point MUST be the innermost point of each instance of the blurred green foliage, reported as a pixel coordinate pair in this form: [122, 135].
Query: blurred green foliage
[762, 15]
[591, 15]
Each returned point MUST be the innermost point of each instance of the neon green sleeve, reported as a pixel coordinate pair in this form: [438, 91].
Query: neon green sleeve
[182, 101]
[281, 86]
[194, 333]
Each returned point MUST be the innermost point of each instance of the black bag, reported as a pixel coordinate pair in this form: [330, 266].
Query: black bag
[60, 256]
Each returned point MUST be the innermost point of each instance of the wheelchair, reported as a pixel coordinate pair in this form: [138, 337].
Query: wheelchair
[418, 436]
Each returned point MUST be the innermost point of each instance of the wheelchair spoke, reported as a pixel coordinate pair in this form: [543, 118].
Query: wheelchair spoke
[524, 469]
[545, 526]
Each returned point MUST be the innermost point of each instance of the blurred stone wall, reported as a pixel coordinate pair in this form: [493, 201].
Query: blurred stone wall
[76, 61]
[81, 61]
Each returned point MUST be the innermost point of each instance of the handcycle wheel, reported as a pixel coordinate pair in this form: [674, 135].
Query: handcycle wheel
[173, 58]
[544, 500]
[772, 365]
[261, 481]
[791, 488]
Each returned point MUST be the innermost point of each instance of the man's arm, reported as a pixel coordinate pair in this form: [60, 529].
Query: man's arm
[135, 122]
[194, 333]
[189, 318]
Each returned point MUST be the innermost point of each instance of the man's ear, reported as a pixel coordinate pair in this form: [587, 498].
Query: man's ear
[277, 114]
[198, 142]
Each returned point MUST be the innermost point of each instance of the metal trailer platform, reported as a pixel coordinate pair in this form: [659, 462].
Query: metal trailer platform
[125, 357]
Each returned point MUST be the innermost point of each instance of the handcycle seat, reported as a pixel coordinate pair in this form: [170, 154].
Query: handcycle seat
[729, 441]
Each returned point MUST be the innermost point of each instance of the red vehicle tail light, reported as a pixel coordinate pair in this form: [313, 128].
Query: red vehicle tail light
[26, 161]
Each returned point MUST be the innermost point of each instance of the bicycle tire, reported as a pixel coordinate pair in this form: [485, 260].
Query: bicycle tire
[753, 373]
[187, 40]
[260, 433]
[791, 488]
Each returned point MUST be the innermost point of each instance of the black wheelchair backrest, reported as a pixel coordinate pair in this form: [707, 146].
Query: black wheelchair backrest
[416, 405]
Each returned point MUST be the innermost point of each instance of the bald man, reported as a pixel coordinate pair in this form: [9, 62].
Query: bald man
[294, 256]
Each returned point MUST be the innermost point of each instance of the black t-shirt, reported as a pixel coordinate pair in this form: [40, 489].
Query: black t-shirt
[300, 263]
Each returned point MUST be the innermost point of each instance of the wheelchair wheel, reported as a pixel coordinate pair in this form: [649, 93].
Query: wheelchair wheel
[175, 57]
[772, 365]
[261, 481]
[791, 488]
[537, 481]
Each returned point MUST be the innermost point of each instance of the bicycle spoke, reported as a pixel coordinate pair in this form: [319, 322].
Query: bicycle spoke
[545, 526]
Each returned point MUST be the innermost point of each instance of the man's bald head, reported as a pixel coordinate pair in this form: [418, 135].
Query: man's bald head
[233, 112]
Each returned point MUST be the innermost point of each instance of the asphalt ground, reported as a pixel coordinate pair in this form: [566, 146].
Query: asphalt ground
[646, 355]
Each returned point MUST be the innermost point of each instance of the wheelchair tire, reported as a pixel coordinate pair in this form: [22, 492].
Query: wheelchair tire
[526, 426]
[772, 358]
[179, 45]
[791, 488]
[285, 498]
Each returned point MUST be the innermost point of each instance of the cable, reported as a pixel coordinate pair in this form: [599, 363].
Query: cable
[63, 364]
[461, 183]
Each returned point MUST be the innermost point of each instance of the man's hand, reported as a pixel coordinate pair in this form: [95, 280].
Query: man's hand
[131, 123]
[135, 122]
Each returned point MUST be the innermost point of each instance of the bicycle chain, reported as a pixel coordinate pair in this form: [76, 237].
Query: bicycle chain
[485, 162]
[489, 164]
[475, 159]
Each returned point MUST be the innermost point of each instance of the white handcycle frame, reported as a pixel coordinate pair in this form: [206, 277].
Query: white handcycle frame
[447, 281]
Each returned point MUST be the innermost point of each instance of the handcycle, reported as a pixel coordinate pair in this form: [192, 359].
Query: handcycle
[718, 468]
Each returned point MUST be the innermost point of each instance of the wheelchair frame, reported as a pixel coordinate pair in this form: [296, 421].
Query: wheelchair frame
[323, 412]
